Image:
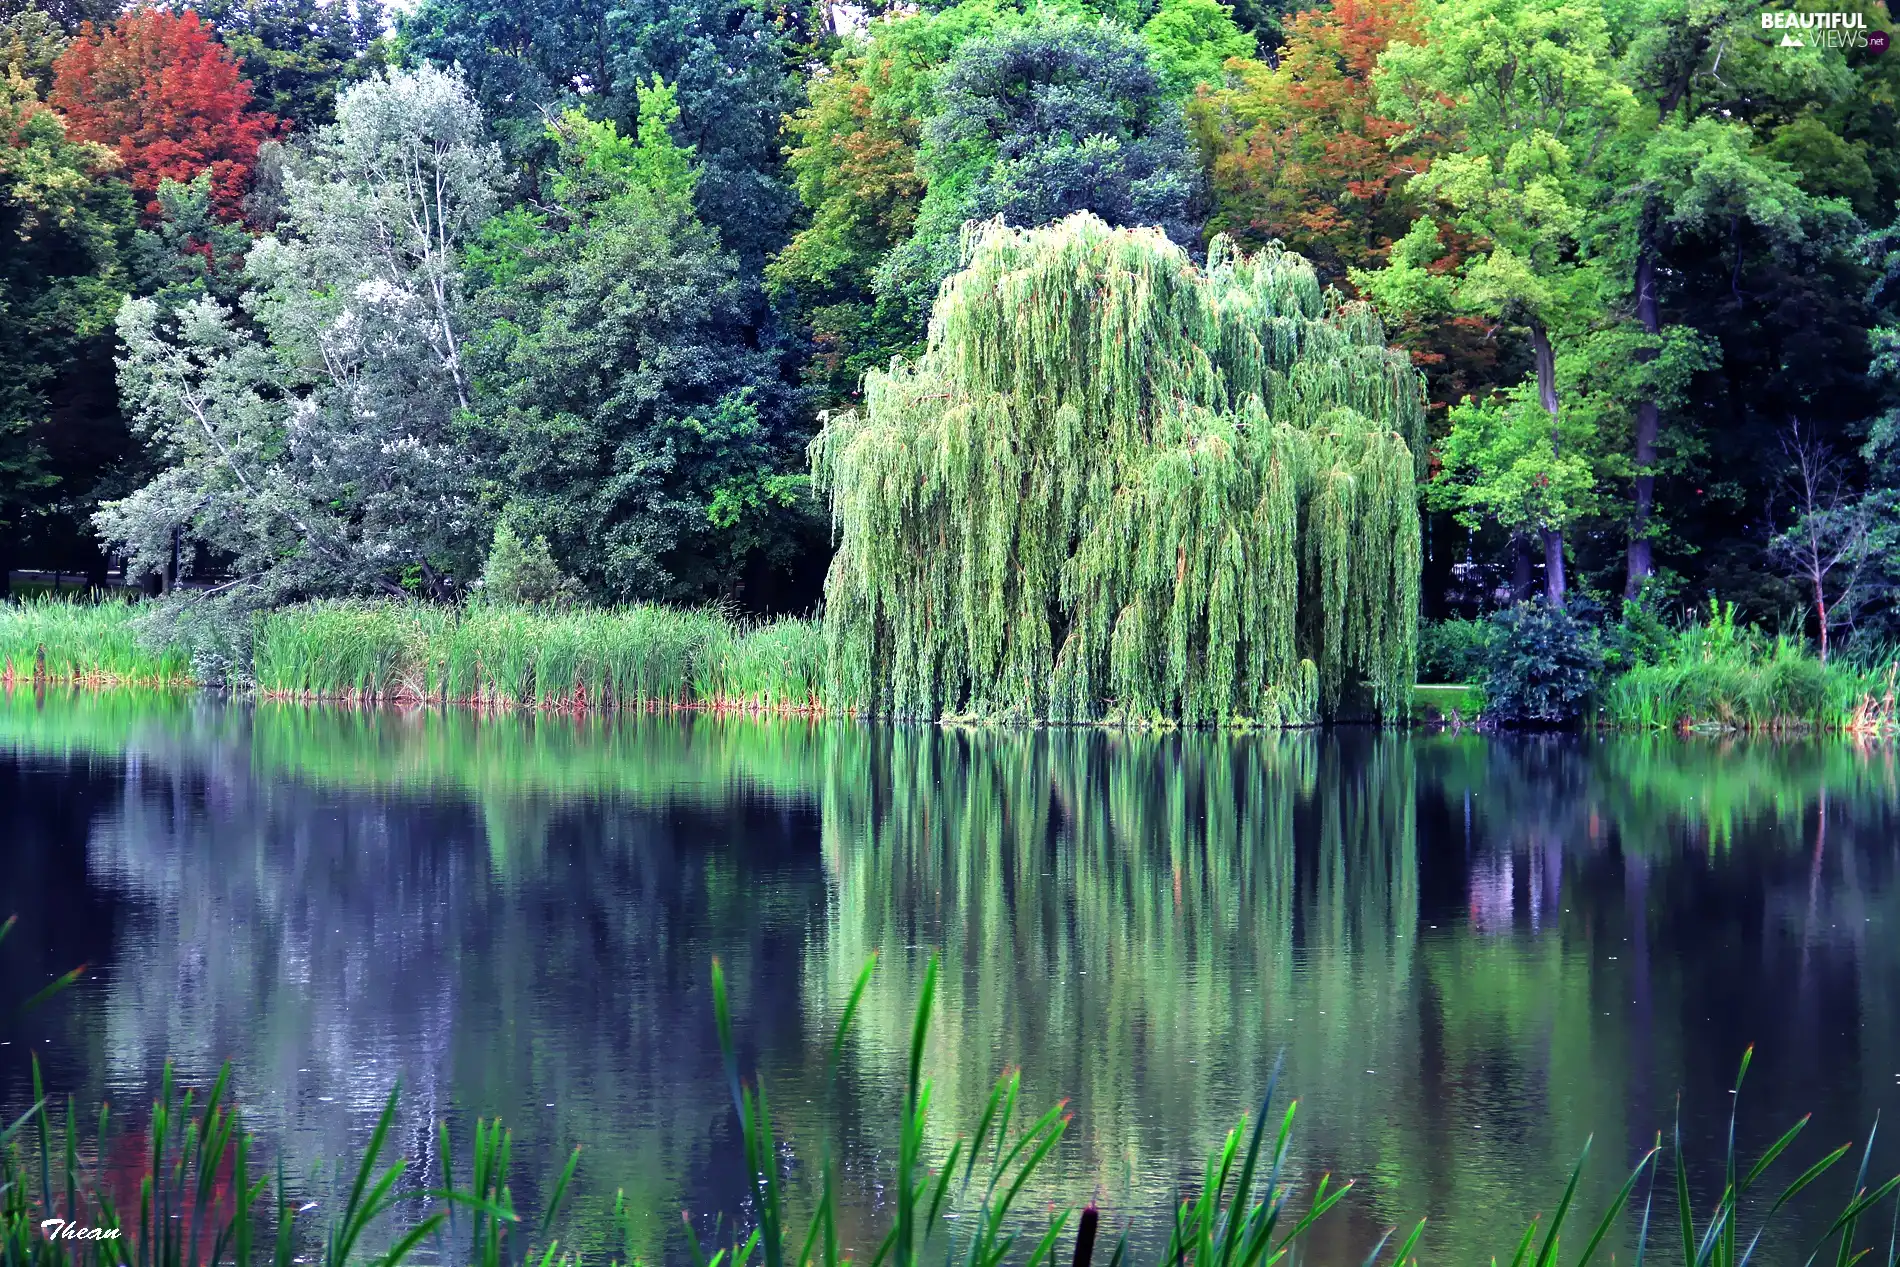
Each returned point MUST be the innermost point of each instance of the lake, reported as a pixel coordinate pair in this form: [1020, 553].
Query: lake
[1471, 952]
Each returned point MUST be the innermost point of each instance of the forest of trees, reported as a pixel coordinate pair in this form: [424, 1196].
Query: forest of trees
[303, 298]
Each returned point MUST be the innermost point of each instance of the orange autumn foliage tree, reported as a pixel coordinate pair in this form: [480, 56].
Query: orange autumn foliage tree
[158, 89]
[1298, 151]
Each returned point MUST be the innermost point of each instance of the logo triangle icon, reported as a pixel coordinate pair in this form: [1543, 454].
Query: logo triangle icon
[1791, 40]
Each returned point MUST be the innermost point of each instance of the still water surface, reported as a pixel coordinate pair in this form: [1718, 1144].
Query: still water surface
[1472, 952]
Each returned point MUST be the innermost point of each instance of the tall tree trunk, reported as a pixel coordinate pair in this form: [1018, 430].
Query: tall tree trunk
[1648, 423]
[1545, 358]
[1554, 567]
[169, 580]
[1546, 362]
[1820, 608]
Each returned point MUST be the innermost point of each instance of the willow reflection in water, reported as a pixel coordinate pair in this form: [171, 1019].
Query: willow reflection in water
[1473, 953]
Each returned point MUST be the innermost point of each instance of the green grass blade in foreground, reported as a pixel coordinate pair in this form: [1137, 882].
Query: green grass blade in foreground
[850, 1013]
[1230, 1237]
[560, 1189]
[194, 1143]
[1845, 1225]
[1616, 1207]
[910, 1140]
[1410, 1243]
[1546, 1255]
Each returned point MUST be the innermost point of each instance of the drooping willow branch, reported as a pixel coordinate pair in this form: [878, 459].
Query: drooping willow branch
[1120, 487]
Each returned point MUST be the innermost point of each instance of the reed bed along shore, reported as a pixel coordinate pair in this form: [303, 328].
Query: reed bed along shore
[95, 644]
[629, 657]
[648, 657]
[1778, 687]
[378, 652]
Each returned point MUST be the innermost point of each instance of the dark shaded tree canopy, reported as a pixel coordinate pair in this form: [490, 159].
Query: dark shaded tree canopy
[298, 54]
[727, 60]
[1037, 122]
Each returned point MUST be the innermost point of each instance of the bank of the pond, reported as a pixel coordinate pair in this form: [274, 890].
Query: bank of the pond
[1789, 692]
[1784, 689]
[655, 657]
[394, 652]
[86, 643]
[1795, 696]
[1710, 673]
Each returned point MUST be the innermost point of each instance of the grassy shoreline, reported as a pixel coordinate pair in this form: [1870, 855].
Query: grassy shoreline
[59, 641]
[374, 652]
[1783, 690]
[1710, 674]
[656, 659]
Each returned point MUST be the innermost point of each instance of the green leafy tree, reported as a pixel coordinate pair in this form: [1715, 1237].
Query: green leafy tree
[66, 219]
[1875, 514]
[521, 571]
[67, 16]
[31, 42]
[299, 54]
[1879, 512]
[1696, 172]
[1525, 94]
[634, 426]
[313, 443]
[1269, 21]
[1503, 461]
[520, 58]
[854, 165]
[1191, 41]
[852, 158]
[855, 169]
[189, 251]
[1034, 124]
[728, 62]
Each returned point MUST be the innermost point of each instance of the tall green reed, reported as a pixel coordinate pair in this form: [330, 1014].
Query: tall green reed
[642, 656]
[197, 1202]
[968, 1204]
[201, 1203]
[351, 649]
[1717, 1238]
[1719, 673]
[64, 640]
[496, 655]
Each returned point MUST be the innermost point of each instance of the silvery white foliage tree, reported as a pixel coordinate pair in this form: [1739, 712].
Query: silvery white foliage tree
[313, 438]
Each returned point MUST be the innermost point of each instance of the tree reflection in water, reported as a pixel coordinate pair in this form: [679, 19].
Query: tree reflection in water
[1474, 952]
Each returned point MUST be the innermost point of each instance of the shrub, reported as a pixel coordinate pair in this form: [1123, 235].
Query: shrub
[1640, 637]
[521, 571]
[214, 631]
[1543, 665]
[1454, 651]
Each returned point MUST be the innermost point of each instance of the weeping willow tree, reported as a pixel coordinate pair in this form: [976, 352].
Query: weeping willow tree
[1118, 487]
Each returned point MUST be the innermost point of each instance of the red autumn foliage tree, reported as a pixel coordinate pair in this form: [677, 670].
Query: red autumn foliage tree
[158, 89]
